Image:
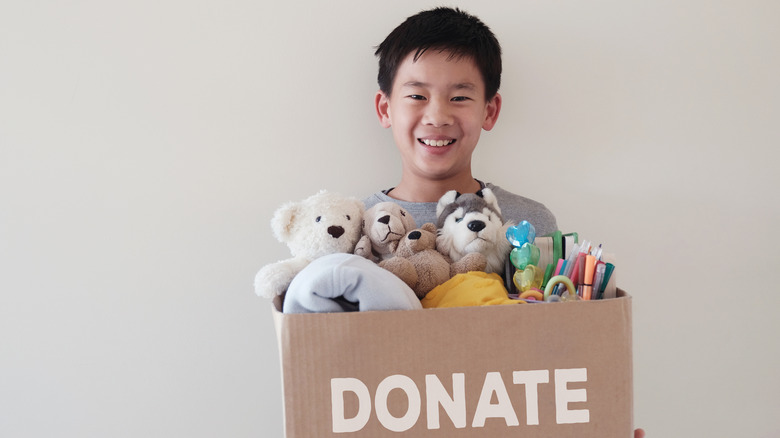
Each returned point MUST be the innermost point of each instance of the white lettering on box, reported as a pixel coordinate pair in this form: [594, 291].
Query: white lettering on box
[564, 396]
[337, 389]
[494, 384]
[454, 406]
[531, 380]
[387, 419]
[454, 403]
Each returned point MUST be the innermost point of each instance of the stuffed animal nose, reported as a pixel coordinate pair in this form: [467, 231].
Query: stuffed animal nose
[415, 235]
[335, 231]
[476, 226]
[384, 219]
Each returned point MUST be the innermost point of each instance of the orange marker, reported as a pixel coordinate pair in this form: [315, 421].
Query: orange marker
[590, 268]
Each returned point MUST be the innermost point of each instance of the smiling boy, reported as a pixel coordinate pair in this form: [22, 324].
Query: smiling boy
[439, 74]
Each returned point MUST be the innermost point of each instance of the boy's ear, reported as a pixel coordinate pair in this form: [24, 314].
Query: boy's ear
[382, 105]
[493, 108]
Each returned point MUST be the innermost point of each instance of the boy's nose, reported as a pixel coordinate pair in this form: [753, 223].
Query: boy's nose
[437, 114]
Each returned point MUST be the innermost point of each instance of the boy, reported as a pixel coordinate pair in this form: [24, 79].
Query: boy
[439, 74]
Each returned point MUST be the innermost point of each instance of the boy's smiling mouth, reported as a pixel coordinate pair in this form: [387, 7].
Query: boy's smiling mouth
[435, 143]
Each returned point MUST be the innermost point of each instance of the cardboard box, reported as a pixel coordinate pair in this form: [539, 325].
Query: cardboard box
[530, 370]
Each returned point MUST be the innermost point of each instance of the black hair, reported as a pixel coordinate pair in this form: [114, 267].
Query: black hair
[442, 29]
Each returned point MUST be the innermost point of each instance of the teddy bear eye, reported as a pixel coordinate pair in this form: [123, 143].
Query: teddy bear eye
[403, 213]
[458, 220]
[349, 218]
[318, 218]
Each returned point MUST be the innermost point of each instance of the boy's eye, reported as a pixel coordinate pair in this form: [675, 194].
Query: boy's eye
[416, 97]
[460, 99]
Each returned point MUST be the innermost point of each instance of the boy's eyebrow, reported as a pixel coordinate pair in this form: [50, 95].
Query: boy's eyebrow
[458, 86]
[465, 86]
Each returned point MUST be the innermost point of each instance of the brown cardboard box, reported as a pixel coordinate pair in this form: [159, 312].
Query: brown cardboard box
[530, 370]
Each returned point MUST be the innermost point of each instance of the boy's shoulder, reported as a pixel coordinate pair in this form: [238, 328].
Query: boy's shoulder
[516, 208]
[511, 199]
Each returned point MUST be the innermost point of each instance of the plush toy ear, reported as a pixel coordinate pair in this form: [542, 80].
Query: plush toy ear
[430, 227]
[490, 198]
[407, 220]
[361, 207]
[446, 200]
[284, 219]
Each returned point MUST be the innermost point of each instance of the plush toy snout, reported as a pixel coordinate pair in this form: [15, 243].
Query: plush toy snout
[415, 241]
[476, 226]
[335, 231]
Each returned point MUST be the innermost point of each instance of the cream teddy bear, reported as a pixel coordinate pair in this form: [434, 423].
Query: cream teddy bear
[321, 224]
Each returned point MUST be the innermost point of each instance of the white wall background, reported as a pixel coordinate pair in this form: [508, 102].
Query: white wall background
[144, 146]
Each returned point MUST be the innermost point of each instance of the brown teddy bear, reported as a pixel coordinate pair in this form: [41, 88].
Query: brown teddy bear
[417, 262]
[384, 225]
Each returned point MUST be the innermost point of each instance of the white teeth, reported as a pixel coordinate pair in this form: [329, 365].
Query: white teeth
[437, 143]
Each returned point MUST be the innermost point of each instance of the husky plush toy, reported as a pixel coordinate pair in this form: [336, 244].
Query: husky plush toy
[472, 223]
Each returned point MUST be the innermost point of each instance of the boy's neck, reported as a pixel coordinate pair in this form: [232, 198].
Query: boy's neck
[423, 190]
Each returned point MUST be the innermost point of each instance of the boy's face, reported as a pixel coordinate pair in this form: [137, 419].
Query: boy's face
[437, 111]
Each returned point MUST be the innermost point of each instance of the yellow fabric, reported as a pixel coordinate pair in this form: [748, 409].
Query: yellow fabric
[469, 289]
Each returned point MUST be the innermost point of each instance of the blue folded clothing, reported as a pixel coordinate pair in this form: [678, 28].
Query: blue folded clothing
[347, 282]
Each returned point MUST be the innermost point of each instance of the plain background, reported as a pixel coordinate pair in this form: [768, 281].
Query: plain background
[145, 145]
